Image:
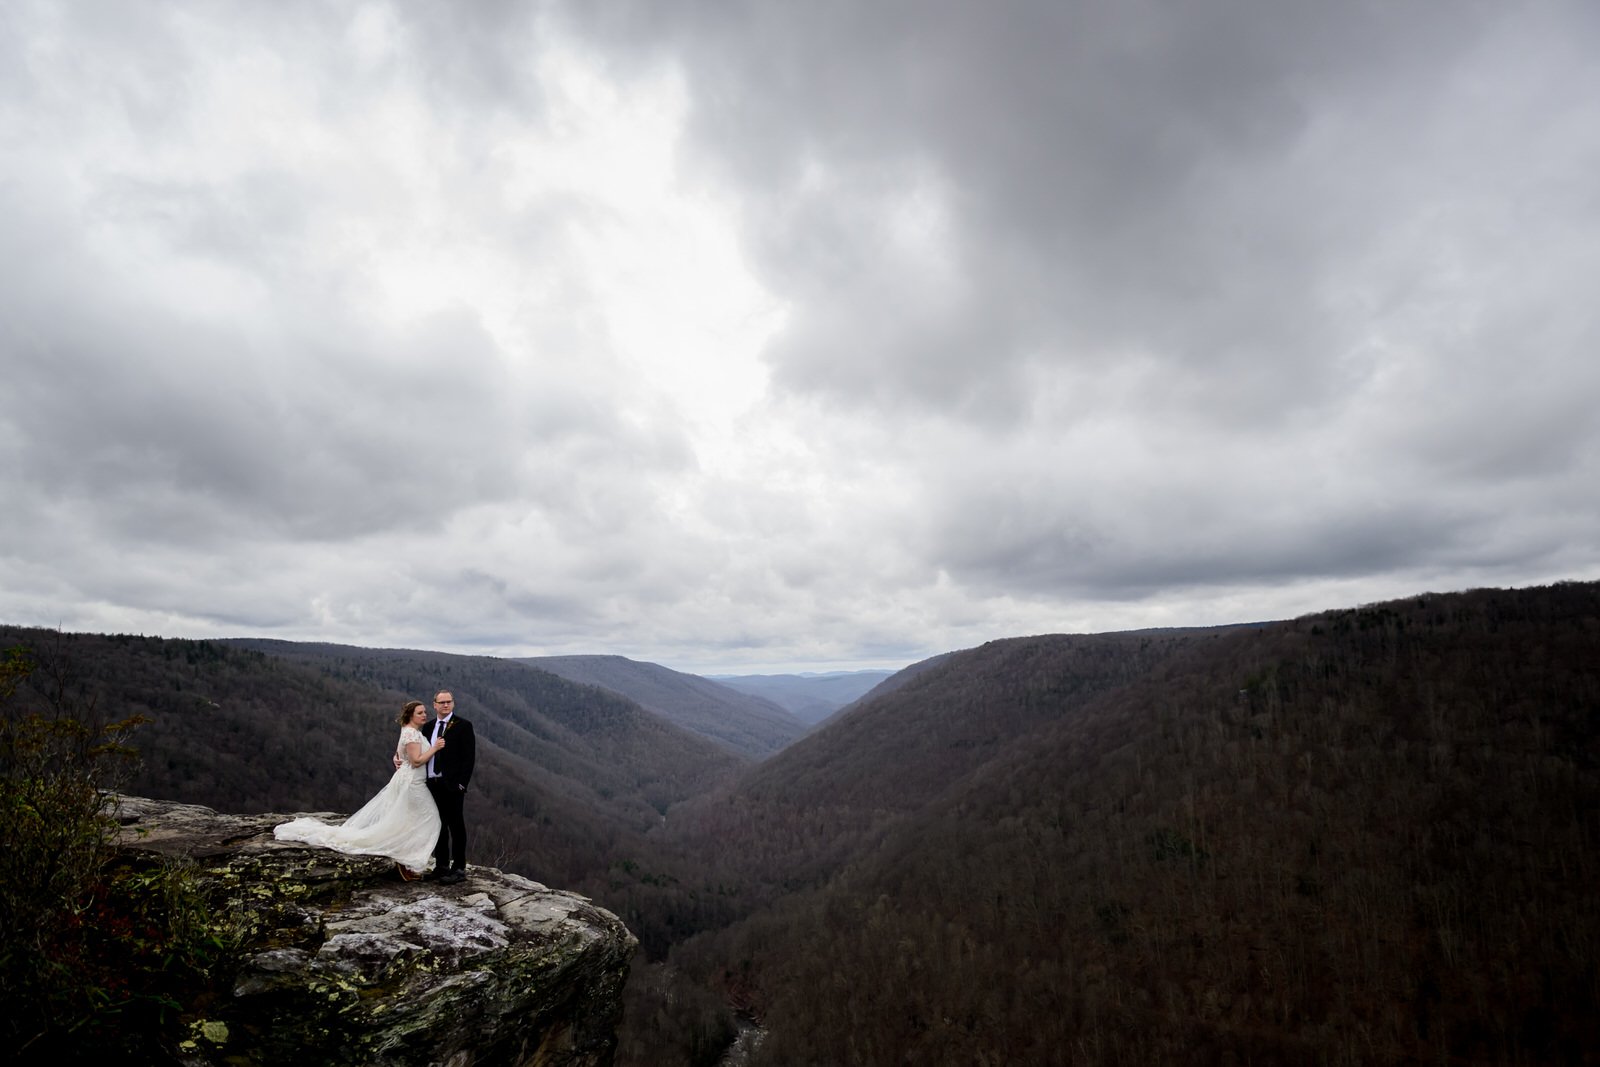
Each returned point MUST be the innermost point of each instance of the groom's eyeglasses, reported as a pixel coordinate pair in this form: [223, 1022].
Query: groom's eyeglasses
[444, 701]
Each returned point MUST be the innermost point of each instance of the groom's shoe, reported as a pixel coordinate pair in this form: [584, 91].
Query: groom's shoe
[435, 875]
[451, 877]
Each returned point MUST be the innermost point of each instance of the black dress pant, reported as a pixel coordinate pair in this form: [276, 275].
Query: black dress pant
[450, 854]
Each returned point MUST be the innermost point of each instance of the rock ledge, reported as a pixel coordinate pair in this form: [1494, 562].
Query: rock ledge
[346, 964]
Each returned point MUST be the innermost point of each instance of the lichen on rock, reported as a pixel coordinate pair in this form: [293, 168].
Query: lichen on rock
[343, 963]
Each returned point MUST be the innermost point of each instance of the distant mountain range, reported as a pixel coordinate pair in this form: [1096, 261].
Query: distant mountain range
[744, 722]
[811, 698]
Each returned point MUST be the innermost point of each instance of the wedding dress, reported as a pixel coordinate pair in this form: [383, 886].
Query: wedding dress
[401, 822]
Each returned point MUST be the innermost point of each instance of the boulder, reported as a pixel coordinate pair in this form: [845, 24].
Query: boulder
[344, 963]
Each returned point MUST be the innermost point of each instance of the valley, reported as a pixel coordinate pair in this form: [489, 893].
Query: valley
[1363, 835]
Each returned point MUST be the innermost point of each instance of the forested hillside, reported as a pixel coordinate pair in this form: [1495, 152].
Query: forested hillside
[1368, 835]
[744, 724]
[604, 745]
[804, 814]
[569, 777]
[1364, 836]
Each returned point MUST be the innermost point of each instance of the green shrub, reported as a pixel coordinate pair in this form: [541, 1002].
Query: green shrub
[98, 948]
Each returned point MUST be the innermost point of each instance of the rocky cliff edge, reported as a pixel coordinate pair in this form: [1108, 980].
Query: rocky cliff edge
[343, 963]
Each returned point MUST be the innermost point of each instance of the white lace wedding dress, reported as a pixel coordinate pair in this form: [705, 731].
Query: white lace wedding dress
[401, 822]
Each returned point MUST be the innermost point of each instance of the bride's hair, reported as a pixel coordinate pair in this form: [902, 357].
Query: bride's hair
[405, 712]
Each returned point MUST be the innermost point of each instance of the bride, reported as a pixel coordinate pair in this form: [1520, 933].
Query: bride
[401, 822]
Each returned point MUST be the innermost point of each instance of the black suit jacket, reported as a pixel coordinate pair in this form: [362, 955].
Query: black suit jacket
[454, 761]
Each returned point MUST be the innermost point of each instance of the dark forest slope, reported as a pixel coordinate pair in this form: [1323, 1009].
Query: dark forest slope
[803, 814]
[569, 777]
[605, 744]
[1362, 836]
[745, 724]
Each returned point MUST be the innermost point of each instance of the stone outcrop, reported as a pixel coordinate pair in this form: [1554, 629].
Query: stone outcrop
[344, 963]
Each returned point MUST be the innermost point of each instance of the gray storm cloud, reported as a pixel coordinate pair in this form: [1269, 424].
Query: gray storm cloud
[339, 321]
[1353, 236]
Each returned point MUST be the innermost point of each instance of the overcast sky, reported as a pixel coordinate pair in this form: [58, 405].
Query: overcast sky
[742, 337]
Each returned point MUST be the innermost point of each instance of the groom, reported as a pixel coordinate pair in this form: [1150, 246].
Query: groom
[448, 774]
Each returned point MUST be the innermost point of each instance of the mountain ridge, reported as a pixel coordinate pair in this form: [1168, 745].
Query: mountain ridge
[1087, 842]
[744, 723]
[568, 776]
[810, 696]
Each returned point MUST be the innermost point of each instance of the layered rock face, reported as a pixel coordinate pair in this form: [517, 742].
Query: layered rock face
[345, 964]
